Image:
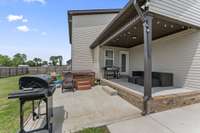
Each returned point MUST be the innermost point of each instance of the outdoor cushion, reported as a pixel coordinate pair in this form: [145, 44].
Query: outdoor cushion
[68, 85]
[159, 79]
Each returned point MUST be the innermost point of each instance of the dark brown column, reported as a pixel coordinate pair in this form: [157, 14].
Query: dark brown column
[147, 25]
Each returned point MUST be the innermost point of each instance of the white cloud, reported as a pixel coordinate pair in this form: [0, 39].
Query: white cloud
[43, 33]
[12, 17]
[23, 28]
[40, 1]
[24, 20]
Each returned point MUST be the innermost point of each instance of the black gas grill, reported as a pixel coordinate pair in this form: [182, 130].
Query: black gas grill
[111, 72]
[35, 88]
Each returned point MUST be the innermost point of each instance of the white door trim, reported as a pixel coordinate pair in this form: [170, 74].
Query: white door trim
[127, 62]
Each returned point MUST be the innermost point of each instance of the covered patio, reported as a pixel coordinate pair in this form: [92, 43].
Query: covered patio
[140, 24]
[156, 91]
[124, 81]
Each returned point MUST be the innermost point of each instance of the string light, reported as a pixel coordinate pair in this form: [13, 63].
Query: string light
[134, 37]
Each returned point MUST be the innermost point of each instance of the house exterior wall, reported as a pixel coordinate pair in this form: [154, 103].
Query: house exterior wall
[187, 11]
[178, 54]
[85, 29]
[116, 51]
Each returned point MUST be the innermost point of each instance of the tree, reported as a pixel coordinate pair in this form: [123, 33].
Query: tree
[37, 61]
[54, 60]
[60, 58]
[45, 63]
[5, 60]
[19, 59]
[31, 63]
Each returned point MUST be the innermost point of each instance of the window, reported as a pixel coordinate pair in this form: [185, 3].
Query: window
[109, 58]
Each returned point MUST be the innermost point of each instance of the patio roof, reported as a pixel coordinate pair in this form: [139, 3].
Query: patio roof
[126, 29]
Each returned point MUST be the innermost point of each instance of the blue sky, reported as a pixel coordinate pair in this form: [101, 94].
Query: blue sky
[39, 28]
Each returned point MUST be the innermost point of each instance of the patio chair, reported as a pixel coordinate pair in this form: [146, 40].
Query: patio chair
[68, 82]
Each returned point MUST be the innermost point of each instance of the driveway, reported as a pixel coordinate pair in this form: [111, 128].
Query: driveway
[181, 120]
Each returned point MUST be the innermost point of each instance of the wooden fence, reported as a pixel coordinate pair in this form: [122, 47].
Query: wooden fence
[48, 70]
[14, 71]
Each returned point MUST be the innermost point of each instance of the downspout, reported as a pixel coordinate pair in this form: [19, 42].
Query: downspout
[145, 23]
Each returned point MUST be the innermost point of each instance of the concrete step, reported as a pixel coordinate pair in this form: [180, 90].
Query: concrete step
[110, 91]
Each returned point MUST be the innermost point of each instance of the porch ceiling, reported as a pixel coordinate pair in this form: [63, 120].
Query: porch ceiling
[126, 30]
[133, 35]
[125, 16]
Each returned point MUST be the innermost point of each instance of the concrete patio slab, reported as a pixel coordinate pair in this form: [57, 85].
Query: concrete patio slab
[172, 90]
[181, 120]
[93, 108]
[74, 111]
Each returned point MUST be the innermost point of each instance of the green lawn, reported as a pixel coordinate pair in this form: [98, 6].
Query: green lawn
[95, 130]
[9, 109]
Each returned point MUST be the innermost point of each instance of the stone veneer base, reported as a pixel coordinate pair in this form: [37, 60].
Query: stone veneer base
[157, 103]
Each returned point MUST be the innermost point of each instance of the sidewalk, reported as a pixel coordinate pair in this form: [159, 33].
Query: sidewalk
[181, 120]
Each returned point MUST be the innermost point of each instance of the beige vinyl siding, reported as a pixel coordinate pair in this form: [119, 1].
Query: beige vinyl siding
[92, 20]
[178, 54]
[187, 11]
[85, 29]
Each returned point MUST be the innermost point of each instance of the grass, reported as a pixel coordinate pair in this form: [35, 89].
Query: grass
[9, 109]
[103, 129]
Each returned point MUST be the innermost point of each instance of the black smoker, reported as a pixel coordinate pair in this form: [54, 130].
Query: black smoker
[34, 88]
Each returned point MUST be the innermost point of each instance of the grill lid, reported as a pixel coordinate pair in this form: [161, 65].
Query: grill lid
[38, 81]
